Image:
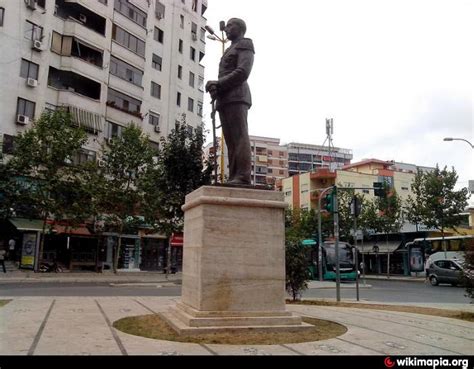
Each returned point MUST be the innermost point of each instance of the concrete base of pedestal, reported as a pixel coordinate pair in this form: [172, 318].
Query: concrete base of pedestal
[233, 262]
[188, 321]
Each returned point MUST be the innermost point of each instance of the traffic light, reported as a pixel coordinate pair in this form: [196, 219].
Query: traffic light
[329, 202]
[379, 189]
[355, 206]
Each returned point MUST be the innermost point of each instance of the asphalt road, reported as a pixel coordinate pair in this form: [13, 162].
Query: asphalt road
[397, 291]
[383, 291]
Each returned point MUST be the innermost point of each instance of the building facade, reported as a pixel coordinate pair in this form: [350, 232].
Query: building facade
[306, 157]
[109, 62]
[272, 161]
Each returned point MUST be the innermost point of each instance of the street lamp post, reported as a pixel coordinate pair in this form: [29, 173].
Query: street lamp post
[458, 139]
[222, 39]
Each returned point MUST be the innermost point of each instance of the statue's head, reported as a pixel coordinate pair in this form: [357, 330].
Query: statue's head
[235, 28]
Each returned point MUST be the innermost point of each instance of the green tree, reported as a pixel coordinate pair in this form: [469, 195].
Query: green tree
[47, 184]
[122, 182]
[180, 171]
[435, 203]
[296, 267]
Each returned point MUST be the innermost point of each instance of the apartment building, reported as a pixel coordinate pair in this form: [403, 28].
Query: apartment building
[269, 160]
[306, 157]
[302, 191]
[108, 62]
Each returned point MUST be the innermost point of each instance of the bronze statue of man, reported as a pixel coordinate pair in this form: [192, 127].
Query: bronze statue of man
[233, 100]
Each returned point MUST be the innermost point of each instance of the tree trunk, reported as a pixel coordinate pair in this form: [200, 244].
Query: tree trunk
[119, 246]
[41, 246]
[388, 257]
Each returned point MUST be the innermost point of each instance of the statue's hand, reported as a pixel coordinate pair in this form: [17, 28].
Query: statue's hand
[211, 85]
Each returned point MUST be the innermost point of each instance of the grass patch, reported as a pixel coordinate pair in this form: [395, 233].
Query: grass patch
[153, 326]
[461, 315]
[4, 302]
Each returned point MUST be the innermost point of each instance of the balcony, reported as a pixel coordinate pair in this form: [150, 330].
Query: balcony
[73, 11]
[73, 82]
[323, 173]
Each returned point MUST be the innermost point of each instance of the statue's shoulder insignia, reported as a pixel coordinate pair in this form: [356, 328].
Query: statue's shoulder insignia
[245, 44]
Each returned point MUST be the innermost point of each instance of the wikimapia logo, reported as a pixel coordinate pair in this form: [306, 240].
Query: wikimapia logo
[427, 363]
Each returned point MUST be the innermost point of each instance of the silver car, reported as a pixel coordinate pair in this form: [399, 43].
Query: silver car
[445, 271]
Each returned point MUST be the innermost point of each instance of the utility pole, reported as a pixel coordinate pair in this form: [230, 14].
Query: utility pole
[336, 244]
[355, 212]
[320, 235]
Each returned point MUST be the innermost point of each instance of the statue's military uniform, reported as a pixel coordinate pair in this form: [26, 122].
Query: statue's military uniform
[233, 102]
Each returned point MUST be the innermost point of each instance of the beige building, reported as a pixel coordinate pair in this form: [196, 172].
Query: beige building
[302, 191]
[109, 62]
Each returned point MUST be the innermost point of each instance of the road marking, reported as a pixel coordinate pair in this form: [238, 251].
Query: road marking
[293, 350]
[40, 330]
[112, 329]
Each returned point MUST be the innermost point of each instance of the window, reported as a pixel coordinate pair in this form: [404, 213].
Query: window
[84, 156]
[41, 3]
[125, 71]
[270, 171]
[181, 21]
[195, 5]
[113, 130]
[180, 46]
[25, 107]
[189, 130]
[154, 119]
[155, 90]
[33, 32]
[282, 172]
[201, 83]
[203, 8]
[8, 146]
[129, 41]
[123, 102]
[194, 29]
[203, 35]
[159, 10]
[178, 99]
[131, 12]
[2, 14]
[29, 69]
[201, 55]
[192, 53]
[158, 35]
[190, 104]
[156, 62]
[199, 108]
[191, 79]
[180, 72]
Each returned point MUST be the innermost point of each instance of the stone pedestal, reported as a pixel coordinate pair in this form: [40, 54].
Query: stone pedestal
[233, 263]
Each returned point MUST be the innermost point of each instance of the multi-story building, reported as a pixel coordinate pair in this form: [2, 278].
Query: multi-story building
[272, 161]
[306, 157]
[302, 191]
[269, 160]
[109, 62]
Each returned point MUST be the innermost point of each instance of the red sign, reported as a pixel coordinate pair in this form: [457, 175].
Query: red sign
[177, 240]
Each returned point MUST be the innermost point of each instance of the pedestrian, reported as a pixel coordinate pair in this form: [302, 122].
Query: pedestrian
[2, 259]
[427, 266]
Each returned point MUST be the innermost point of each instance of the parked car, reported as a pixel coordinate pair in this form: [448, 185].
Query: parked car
[448, 271]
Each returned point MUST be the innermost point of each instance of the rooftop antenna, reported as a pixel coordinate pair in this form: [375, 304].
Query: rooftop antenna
[329, 133]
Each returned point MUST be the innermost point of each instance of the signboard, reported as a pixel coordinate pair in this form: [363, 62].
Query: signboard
[416, 259]
[177, 240]
[28, 250]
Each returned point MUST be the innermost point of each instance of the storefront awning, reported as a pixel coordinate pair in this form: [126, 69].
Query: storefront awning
[23, 224]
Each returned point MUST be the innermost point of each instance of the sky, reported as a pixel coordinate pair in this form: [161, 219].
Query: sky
[396, 76]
